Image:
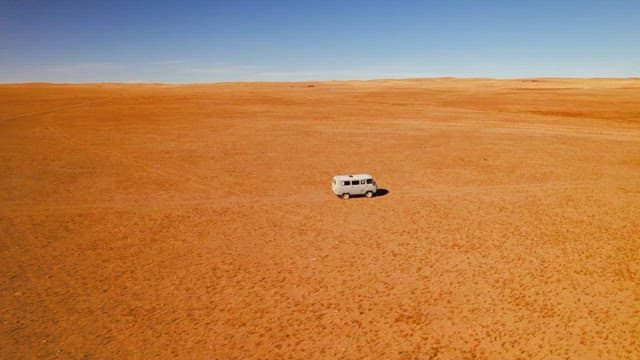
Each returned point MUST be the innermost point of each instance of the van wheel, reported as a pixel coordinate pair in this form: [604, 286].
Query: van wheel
[345, 196]
[369, 194]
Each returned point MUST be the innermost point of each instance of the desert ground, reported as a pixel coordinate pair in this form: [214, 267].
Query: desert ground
[198, 221]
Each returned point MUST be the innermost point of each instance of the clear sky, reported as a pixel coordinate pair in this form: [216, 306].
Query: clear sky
[236, 40]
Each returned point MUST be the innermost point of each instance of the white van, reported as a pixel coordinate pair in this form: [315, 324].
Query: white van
[347, 185]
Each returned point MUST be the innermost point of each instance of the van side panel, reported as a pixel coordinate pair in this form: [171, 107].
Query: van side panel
[358, 184]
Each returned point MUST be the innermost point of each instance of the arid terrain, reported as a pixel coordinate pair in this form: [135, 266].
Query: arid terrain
[198, 221]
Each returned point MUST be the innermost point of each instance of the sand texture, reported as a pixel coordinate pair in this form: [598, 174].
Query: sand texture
[197, 221]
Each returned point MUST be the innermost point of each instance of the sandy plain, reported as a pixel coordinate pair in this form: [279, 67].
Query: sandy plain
[197, 221]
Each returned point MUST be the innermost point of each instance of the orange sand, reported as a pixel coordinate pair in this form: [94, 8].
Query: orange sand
[198, 221]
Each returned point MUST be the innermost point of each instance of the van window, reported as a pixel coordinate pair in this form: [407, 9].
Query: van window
[369, 181]
[346, 182]
[362, 182]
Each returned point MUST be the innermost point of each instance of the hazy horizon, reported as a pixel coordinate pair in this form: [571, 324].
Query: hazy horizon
[309, 80]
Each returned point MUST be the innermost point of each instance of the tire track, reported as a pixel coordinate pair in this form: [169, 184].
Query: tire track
[26, 209]
[462, 190]
[122, 158]
[87, 147]
[54, 110]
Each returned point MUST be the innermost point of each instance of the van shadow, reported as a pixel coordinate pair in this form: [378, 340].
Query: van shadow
[381, 192]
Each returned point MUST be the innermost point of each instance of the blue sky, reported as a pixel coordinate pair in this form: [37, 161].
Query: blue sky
[212, 41]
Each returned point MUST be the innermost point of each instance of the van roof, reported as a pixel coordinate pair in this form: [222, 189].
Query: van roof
[354, 177]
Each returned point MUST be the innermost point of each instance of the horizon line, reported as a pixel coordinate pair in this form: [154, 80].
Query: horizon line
[319, 81]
